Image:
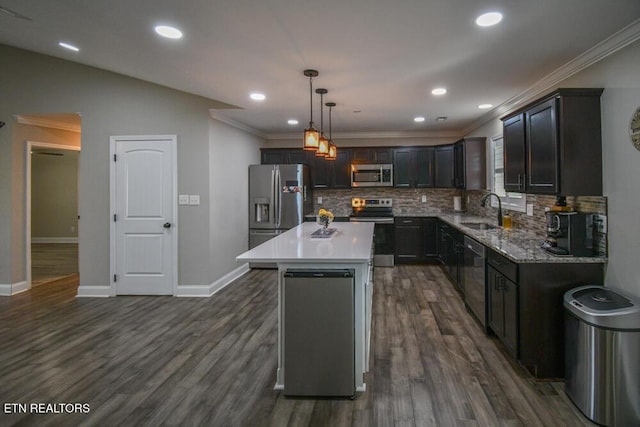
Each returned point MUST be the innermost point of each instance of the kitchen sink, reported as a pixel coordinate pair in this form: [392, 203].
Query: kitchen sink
[479, 225]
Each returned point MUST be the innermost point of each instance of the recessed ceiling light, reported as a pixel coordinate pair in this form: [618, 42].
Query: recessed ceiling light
[69, 46]
[168, 32]
[439, 91]
[485, 106]
[488, 19]
[418, 119]
[258, 96]
[292, 121]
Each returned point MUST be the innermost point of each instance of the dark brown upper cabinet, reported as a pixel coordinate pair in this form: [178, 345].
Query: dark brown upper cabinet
[554, 145]
[470, 163]
[284, 156]
[444, 167]
[371, 155]
[413, 167]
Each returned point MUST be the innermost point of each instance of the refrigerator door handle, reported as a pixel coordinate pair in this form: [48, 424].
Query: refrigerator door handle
[273, 203]
[279, 193]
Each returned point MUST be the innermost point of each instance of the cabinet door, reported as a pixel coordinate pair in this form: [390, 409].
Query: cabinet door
[514, 153]
[424, 167]
[444, 167]
[430, 241]
[496, 301]
[408, 244]
[271, 157]
[542, 148]
[360, 155]
[342, 169]
[403, 167]
[295, 156]
[320, 173]
[510, 294]
[459, 168]
[381, 155]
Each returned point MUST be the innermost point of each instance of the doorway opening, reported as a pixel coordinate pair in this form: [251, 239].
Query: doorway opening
[51, 199]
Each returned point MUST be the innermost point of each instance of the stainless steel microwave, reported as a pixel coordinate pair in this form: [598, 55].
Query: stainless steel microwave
[380, 175]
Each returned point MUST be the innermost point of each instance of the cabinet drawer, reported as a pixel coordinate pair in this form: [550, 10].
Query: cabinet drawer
[508, 268]
[407, 221]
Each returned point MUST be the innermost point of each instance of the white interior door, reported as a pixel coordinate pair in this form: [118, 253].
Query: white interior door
[145, 223]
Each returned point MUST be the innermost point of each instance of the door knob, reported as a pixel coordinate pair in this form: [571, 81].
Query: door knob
[167, 225]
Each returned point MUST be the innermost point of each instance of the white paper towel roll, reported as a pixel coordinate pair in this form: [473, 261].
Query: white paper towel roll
[457, 203]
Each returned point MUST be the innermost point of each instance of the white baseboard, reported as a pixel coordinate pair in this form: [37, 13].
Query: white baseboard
[12, 289]
[93, 291]
[54, 240]
[209, 290]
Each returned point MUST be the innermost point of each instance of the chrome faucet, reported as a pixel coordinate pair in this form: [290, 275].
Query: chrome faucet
[483, 202]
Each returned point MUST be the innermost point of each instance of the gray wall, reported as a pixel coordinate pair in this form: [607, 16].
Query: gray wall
[110, 104]
[54, 194]
[231, 153]
[620, 76]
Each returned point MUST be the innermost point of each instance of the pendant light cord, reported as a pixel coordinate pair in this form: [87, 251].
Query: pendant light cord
[310, 102]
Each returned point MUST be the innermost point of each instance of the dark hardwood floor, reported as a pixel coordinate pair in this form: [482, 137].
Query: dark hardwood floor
[212, 361]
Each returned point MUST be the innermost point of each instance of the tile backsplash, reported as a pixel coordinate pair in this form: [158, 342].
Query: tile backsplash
[408, 202]
[537, 222]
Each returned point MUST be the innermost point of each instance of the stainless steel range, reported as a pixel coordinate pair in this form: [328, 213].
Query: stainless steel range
[379, 211]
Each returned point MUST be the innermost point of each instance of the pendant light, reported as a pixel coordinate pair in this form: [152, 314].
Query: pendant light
[311, 135]
[333, 150]
[323, 142]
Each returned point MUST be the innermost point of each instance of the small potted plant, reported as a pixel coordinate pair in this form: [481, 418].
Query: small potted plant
[324, 218]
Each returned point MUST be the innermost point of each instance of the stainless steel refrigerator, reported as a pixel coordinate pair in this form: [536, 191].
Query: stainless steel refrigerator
[279, 198]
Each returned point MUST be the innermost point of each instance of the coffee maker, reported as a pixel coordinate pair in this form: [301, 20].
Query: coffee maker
[567, 234]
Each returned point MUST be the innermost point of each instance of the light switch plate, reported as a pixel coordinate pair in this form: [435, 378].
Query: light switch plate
[600, 222]
[424, 198]
[530, 209]
[319, 200]
[183, 199]
[194, 199]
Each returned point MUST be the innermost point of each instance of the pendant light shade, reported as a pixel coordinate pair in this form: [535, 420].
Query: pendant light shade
[323, 142]
[332, 154]
[311, 135]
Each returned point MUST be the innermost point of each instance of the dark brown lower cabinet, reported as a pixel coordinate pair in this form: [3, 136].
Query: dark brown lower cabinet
[408, 232]
[503, 309]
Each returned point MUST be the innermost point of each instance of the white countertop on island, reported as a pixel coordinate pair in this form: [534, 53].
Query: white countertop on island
[350, 243]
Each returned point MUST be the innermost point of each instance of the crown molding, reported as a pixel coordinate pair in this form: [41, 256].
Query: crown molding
[47, 123]
[607, 47]
[216, 116]
[375, 135]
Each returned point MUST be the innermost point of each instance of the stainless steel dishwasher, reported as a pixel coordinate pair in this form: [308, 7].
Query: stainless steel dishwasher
[319, 336]
[474, 279]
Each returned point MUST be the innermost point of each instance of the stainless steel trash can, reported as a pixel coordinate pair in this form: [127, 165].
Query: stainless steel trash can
[602, 354]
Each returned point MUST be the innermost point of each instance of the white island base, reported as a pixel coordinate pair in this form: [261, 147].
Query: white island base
[350, 247]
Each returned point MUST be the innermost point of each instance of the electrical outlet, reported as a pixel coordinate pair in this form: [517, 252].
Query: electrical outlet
[183, 199]
[424, 198]
[194, 199]
[319, 200]
[530, 209]
[600, 222]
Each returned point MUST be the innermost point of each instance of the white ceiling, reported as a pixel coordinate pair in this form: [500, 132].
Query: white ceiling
[379, 57]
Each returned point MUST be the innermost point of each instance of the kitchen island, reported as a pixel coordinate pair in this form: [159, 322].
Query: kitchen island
[349, 247]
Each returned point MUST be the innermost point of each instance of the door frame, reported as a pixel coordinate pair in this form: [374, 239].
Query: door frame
[29, 145]
[113, 140]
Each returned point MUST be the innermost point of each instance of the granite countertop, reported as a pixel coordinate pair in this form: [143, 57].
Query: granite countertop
[518, 245]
